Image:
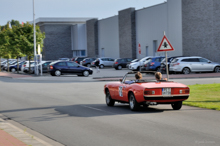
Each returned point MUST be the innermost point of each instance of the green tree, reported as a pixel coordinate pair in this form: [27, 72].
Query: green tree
[5, 50]
[27, 40]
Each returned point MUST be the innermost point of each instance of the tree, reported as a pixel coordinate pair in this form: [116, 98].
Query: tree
[5, 44]
[27, 39]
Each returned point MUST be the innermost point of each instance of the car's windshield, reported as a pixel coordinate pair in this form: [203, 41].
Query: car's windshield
[135, 60]
[146, 77]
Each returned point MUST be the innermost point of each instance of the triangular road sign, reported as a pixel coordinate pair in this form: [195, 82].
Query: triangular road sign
[165, 45]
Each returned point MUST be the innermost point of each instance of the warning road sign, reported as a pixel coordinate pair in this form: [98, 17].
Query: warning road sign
[165, 45]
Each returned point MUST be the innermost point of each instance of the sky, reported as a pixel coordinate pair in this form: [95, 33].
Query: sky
[22, 10]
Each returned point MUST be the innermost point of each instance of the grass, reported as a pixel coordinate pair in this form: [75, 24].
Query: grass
[204, 96]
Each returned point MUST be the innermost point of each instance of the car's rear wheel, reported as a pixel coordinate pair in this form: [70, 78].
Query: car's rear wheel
[134, 105]
[176, 105]
[57, 73]
[88, 65]
[186, 70]
[86, 73]
[119, 67]
[217, 69]
[101, 66]
[108, 99]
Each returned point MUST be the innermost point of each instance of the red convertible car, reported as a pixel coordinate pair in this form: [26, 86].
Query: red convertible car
[145, 92]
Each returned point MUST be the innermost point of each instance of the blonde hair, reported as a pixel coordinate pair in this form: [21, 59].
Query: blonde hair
[158, 76]
[138, 75]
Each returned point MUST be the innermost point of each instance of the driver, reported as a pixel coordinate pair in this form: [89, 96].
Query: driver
[158, 76]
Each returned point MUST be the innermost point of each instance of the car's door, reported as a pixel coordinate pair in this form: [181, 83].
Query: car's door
[205, 64]
[74, 68]
[62, 67]
[195, 64]
[111, 61]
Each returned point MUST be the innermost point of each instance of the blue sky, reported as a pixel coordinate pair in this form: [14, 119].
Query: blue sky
[22, 10]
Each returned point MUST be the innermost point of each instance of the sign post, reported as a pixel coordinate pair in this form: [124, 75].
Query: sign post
[39, 59]
[165, 45]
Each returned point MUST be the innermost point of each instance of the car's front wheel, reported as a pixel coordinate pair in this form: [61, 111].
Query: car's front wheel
[108, 99]
[217, 69]
[133, 103]
[57, 73]
[186, 70]
[86, 73]
[176, 105]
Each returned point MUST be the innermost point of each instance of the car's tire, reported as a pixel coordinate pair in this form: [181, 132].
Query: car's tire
[138, 68]
[133, 104]
[88, 65]
[217, 69]
[52, 74]
[119, 67]
[116, 68]
[109, 101]
[186, 70]
[57, 73]
[176, 105]
[13, 70]
[101, 66]
[86, 73]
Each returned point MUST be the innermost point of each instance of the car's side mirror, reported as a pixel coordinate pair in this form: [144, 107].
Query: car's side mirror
[120, 80]
[209, 61]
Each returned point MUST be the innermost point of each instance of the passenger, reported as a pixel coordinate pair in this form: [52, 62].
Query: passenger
[158, 76]
[138, 76]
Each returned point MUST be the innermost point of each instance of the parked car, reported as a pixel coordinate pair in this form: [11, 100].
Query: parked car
[78, 59]
[121, 63]
[135, 60]
[5, 66]
[64, 59]
[163, 63]
[145, 92]
[193, 64]
[106, 62]
[44, 67]
[153, 64]
[137, 65]
[87, 62]
[26, 65]
[13, 68]
[58, 68]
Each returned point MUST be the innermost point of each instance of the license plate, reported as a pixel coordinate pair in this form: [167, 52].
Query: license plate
[166, 91]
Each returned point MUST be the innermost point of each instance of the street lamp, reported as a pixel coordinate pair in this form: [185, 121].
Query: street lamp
[35, 58]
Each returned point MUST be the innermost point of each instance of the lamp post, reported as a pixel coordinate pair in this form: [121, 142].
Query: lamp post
[35, 58]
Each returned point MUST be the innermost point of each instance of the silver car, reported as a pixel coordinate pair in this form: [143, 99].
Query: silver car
[106, 61]
[193, 64]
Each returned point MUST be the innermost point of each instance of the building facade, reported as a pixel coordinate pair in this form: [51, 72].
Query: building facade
[65, 37]
[192, 27]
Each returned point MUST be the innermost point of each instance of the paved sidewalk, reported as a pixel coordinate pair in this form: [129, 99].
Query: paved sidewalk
[13, 75]
[11, 135]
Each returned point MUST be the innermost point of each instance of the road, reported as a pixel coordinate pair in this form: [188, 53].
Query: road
[74, 113]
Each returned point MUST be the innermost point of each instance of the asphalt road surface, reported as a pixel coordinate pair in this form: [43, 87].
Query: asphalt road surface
[75, 114]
